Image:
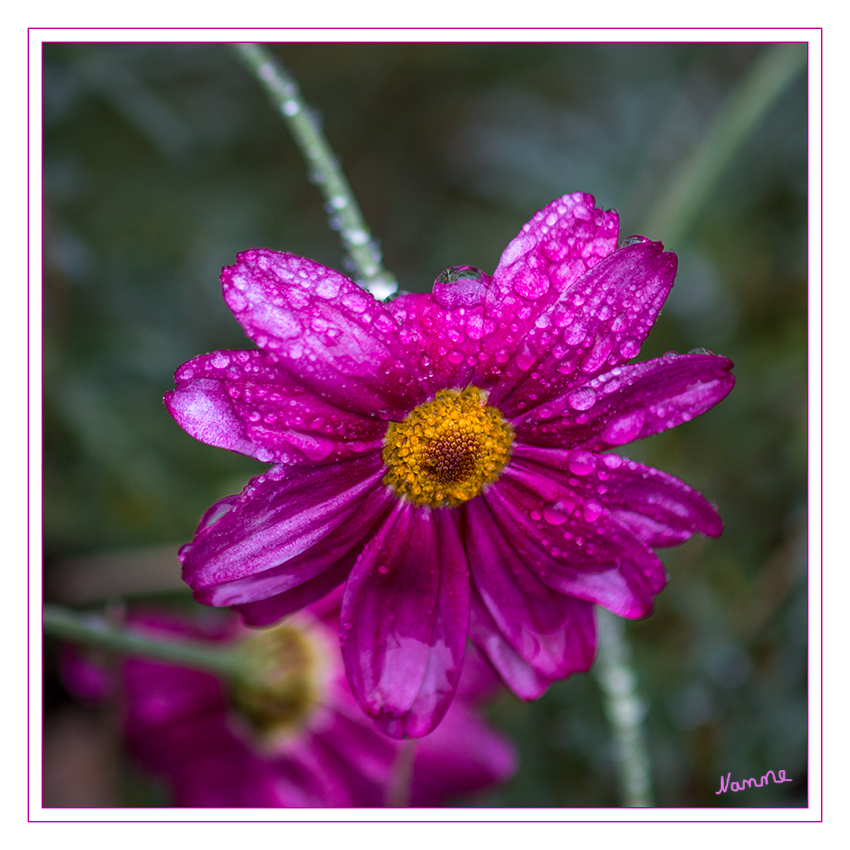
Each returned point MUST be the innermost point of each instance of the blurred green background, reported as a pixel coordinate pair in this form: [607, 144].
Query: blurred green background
[161, 161]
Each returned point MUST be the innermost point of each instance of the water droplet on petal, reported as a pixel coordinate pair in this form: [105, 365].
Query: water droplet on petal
[582, 463]
[632, 240]
[625, 428]
[525, 359]
[453, 273]
[592, 511]
[327, 288]
[575, 333]
[236, 300]
[554, 514]
[530, 284]
[582, 398]
[629, 348]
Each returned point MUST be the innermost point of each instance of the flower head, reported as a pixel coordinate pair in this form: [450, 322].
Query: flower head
[446, 455]
[290, 734]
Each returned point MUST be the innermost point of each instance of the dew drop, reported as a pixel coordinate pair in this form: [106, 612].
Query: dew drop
[553, 514]
[327, 288]
[625, 428]
[236, 301]
[355, 302]
[592, 511]
[582, 398]
[530, 285]
[631, 240]
[582, 463]
[629, 348]
[525, 359]
[575, 333]
[454, 273]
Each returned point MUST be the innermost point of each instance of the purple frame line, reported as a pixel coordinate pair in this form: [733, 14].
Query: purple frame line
[477, 820]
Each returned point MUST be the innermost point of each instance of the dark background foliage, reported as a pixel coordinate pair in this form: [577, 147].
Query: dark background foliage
[161, 161]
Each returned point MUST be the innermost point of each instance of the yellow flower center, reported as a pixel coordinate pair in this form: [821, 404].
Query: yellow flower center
[447, 449]
[280, 682]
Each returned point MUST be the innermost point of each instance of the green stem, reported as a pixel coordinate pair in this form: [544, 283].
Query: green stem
[765, 82]
[624, 708]
[95, 630]
[401, 777]
[345, 214]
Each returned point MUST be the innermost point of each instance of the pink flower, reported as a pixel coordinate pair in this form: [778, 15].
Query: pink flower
[311, 746]
[446, 456]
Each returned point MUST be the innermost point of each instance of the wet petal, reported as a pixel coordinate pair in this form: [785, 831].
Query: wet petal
[517, 673]
[554, 633]
[322, 328]
[404, 618]
[279, 516]
[552, 251]
[443, 329]
[245, 402]
[629, 403]
[269, 609]
[599, 322]
[659, 508]
[575, 545]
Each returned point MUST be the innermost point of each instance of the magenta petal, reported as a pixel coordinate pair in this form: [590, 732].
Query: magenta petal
[266, 596]
[331, 335]
[659, 508]
[404, 618]
[552, 251]
[460, 756]
[270, 609]
[360, 755]
[598, 322]
[629, 403]
[554, 633]
[526, 682]
[575, 545]
[245, 402]
[444, 329]
[560, 243]
[279, 516]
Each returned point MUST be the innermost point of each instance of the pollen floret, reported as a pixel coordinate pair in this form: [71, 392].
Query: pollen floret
[448, 449]
[281, 682]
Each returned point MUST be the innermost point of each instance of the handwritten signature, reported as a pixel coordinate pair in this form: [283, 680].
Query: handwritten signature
[748, 783]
